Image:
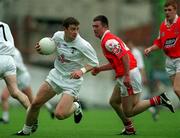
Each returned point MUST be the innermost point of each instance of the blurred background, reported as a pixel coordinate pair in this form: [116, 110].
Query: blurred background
[135, 20]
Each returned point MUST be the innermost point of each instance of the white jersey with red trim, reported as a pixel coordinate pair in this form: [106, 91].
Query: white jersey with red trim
[73, 55]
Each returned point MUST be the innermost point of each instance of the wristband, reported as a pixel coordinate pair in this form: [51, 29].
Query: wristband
[83, 70]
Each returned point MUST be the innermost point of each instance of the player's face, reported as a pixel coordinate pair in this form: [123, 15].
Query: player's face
[98, 29]
[71, 32]
[170, 13]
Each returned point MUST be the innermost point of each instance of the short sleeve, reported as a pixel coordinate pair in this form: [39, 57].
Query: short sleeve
[115, 47]
[157, 41]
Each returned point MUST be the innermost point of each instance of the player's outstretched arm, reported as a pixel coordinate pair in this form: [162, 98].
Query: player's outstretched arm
[97, 70]
[148, 50]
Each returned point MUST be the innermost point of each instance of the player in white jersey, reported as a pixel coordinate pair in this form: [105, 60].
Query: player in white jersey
[74, 57]
[7, 64]
[23, 80]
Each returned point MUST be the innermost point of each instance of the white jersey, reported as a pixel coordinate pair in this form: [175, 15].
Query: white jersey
[138, 56]
[73, 55]
[19, 62]
[6, 40]
[23, 76]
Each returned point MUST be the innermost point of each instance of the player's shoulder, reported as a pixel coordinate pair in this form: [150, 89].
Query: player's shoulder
[178, 20]
[112, 39]
[59, 33]
[81, 40]
[4, 24]
[111, 36]
[58, 37]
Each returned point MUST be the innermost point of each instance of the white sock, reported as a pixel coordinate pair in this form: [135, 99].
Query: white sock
[152, 110]
[76, 105]
[27, 129]
[27, 110]
[5, 116]
[49, 107]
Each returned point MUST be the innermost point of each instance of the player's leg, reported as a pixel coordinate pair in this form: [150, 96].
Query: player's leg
[15, 92]
[5, 106]
[50, 109]
[24, 80]
[173, 70]
[132, 105]
[28, 92]
[65, 107]
[131, 95]
[176, 84]
[115, 102]
[44, 94]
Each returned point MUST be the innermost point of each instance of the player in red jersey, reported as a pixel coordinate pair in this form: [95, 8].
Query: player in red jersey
[125, 98]
[169, 41]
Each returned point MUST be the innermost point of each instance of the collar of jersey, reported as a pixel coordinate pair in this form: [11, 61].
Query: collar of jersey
[175, 20]
[107, 31]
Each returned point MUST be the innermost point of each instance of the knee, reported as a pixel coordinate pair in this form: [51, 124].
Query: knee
[35, 105]
[4, 97]
[114, 103]
[60, 115]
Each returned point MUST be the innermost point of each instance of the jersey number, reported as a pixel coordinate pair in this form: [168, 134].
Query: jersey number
[4, 35]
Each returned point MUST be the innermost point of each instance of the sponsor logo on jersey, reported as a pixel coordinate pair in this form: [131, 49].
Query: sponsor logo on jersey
[170, 42]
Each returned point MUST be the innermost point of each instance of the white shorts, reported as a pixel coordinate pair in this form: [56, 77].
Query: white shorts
[7, 66]
[172, 66]
[23, 80]
[63, 84]
[136, 83]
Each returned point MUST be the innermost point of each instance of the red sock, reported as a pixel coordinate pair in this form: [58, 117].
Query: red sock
[129, 126]
[155, 100]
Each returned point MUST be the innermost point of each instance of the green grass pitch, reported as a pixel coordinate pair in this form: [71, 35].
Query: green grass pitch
[96, 123]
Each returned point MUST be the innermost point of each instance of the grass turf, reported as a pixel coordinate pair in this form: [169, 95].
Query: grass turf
[96, 123]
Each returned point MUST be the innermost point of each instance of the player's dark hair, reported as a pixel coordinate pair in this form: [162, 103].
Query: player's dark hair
[70, 21]
[171, 3]
[103, 19]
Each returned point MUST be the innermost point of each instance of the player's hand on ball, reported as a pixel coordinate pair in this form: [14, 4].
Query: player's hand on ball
[76, 74]
[38, 48]
[95, 71]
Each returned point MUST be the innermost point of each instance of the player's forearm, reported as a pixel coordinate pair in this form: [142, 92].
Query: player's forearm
[87, 68]
[154, 47]
[105, 67]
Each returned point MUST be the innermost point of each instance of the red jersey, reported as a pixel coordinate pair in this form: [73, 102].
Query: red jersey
[114, 49]
[169, 38]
